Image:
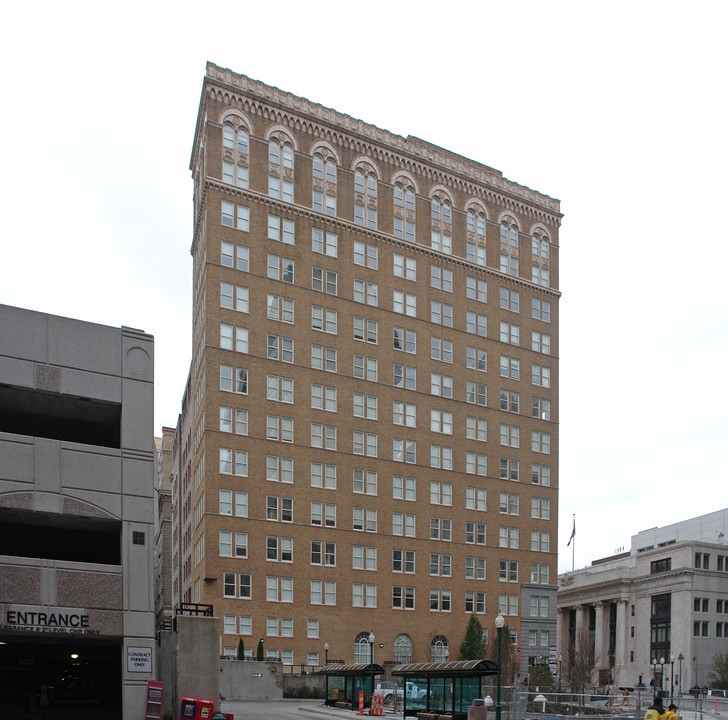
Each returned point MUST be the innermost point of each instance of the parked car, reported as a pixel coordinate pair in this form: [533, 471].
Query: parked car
[716, 694]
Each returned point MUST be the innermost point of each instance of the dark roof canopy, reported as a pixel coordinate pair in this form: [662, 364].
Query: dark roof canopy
[356, 669]
[471, 668]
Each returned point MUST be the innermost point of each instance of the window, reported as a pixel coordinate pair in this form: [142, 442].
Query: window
[441, 313]
[541, 309]
[541, 376]
[233, 462]
[475, 498]
[441, 278]
[475, 253]
[241, 503]
[403, 598]
[509, 333]
[541, 342]
[509, 469]
[441, 421]
[366, 330]
[405, 267]
[541, 508]
[510, 435]
[404, 303]
[366, 368]
[279, 428]
[541, 475]
[475, 533]
[279, 348]
[474, 602]
[366, 292]
[323, 436]
[476, 428]
[323, 475]
[404, 488]
[365, 443]
[441, 349]
[539, 606]
[228, 252]
[281, 229]
[403, 524]
[404, 212]
[508, 604]
[280, 308]
[540, 540]
[237, 585]
[405, 340]
[541, 408]
[440, 565]
[510, 300]
[279, 549]
[404, 414]
[323, 592]
[404, 450]
[403, 376]
[324, 358]
[279, 469]
[365, 406]
[440, 600]
[440, 529]
[540, 573]
[279, 389]
[476, 289]
[324, 319]
[323, 514]
[280, 269]
[403, 561]
[233, 379]
[324, 280]
[365, 198]
[475, 568]
[235, 216]
[508, 503]
[233, 338]
[510, 367]
[440, 493]
[540, 442]
[323, 397]
[510, 401]
[476, 463]
[476, 393]
[323, 553]
[364, 558]
[365, 481]
[363, 595]
[366, 255]
[476, 324]
[509, 248]
[235, 142]
[476, 358]
[233, 420]
[365, 519]
[324, 242]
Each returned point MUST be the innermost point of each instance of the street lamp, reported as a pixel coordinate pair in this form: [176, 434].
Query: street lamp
[561, 657]
[654, 675]
[662, 673]
[672, 677]
[371, 659]
[499, 623]
[680, 658]
[326, 652]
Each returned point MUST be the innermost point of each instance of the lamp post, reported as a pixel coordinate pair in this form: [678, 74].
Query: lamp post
[371, 659]
[662, 673]
[561, 657]
[326, 652]
[672, 677]
[654, 675]
[680, 658]
[499, 623]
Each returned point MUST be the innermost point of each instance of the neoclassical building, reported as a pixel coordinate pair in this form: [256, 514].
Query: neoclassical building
[656, 613]
[369, 435]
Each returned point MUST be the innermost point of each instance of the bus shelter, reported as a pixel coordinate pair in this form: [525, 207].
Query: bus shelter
[444, 688]
[345, 682]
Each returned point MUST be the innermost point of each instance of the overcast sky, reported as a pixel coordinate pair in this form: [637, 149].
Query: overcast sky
[617, 109]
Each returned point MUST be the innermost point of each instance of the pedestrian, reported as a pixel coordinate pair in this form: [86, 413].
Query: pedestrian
[671, 712]
[656, 711]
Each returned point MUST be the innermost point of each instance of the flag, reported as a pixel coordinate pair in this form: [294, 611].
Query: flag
[573, 532]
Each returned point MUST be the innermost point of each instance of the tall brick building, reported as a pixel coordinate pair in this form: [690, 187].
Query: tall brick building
[369, 435]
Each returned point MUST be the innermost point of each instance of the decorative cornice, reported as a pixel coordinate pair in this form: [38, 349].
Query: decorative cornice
[415, 155]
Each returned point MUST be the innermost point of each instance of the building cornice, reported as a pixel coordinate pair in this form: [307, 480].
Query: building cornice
[412, 154]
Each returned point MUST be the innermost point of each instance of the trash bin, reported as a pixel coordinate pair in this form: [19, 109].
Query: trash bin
[477, 709]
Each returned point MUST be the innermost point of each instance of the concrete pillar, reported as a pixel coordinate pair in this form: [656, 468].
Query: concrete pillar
[600, 647]
[620, 645]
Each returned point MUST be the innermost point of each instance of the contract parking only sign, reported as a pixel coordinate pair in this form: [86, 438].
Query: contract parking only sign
[139, 659]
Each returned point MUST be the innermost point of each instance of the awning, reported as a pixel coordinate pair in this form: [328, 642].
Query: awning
[356, 669]
[471, 668]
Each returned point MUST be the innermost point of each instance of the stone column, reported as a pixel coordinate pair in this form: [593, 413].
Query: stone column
[620, 644]
[600, 647]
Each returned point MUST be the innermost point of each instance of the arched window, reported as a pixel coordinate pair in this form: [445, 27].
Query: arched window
[509, 247]
[403, 649]
[404, 212]
[540, 259]
[441, 211]
[324, 183]
[476, 223]
[365, 197]
[439, 649]
[235, 163]
[362, 648]
[280, 168]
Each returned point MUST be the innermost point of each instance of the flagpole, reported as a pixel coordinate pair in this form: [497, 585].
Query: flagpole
[573, 541]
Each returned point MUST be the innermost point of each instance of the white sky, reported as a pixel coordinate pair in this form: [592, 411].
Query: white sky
[618, 109]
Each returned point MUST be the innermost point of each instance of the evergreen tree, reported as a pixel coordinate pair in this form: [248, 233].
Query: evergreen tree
[473, 644]
[259, 650]
[718, 674]
[241, 650]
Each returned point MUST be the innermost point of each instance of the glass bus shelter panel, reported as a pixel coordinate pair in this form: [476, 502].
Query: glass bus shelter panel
[468, 688]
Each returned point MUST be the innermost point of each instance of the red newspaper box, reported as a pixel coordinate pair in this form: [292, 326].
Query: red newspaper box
[196, 709]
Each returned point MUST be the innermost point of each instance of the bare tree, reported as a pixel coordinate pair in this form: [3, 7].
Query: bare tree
[508, 659]
[580, 662]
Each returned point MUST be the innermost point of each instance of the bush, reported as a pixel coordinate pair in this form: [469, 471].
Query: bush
[304, 692]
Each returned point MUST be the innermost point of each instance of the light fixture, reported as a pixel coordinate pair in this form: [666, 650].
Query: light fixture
[499, 623]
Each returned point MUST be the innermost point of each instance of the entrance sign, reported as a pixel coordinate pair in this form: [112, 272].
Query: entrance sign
[139, 659]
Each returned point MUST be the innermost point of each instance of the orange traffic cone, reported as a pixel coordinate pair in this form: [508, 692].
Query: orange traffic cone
[361, 702]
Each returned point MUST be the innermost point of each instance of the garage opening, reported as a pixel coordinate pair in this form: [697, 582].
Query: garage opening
[60, 678]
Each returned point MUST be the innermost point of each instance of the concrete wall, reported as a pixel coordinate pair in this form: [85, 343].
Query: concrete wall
[197, 658]
[251, 680]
